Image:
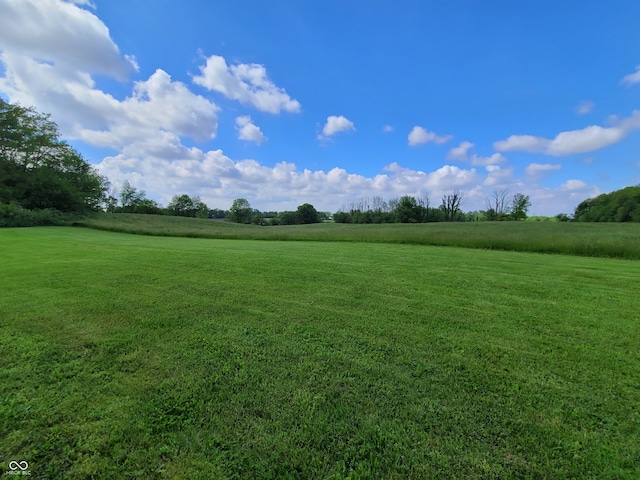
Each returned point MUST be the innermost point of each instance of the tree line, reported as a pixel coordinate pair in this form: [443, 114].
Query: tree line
[43, 180]
[501, 206]
[618, 206]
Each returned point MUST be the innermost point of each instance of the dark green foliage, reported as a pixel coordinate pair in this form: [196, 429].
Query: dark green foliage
[289, 218]
[408, 211]
[307, 214]
[132, 200]
[618, 206]
[13, 215]
[563, 217]
[186, 206]
[240, 211]
[520, 206]
[218, 213]
[39, 171]
[341, 217]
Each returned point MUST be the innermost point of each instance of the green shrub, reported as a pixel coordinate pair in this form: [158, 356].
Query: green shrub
[13, 215]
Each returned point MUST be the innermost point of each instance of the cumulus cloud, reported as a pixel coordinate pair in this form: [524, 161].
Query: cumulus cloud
[588, 139]
[50, 51]
[248, 131]
[419, 135]
[336, 124]
[574, 185]
[219, 179]
[89, 114]
[538, 170]
[484, 161]
[63, 34]
[632, 77]
[461, 152]
[246, 83]
[585, 107]
[387, 128]
[498, 176]
[156, 107]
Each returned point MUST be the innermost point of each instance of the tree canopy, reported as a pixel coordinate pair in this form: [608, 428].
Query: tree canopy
[307, 214]
[40, 171]
[186, 206]
[618, 206]
[240, 211]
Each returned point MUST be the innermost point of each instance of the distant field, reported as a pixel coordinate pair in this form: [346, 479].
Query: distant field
[145, 357]
[612, 240]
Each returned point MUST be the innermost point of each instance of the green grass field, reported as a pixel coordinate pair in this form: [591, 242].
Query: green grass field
[612, 240]
[128, 356]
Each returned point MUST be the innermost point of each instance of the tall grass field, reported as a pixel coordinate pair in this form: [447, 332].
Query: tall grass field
[611, 240]
[130, 356]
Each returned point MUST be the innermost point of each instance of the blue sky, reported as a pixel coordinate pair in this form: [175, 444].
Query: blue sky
[287, 102]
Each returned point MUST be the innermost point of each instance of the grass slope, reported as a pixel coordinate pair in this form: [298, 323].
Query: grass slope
[588, 239]
[127, 356]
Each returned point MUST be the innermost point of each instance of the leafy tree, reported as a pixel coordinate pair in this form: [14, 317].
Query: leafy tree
[181, 206]
[562, 217]
[240, 211]
[289, 218]
[520, 205]
[186, 206]
[129, 197]
[148, 206]
[341, 217]
[307, 214]
[407, 210]
[218, 213]
[132, 200]
[618, 206]
[40, 171]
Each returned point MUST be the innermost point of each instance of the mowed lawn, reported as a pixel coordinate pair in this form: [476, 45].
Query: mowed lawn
[126, 356]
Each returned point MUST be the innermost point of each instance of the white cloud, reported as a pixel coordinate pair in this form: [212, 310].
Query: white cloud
[387, 128]
[484, 161]
[574, 185]
[588, 139]
[156, 108]
[88, 3]
[419, 135]
[248, 131]
[246, 83]
[336, 124]
[83, 112]
[632, 77]
[63, 34]
[585, 107]
[218, 179]
[498, 176]
[528, 143]
[537, 170]
[461, 152]
[50, 51]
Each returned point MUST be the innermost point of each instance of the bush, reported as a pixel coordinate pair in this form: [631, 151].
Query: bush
[13, 215]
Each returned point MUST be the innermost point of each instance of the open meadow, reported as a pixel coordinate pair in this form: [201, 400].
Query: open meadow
[612, 240]
[130, 356]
